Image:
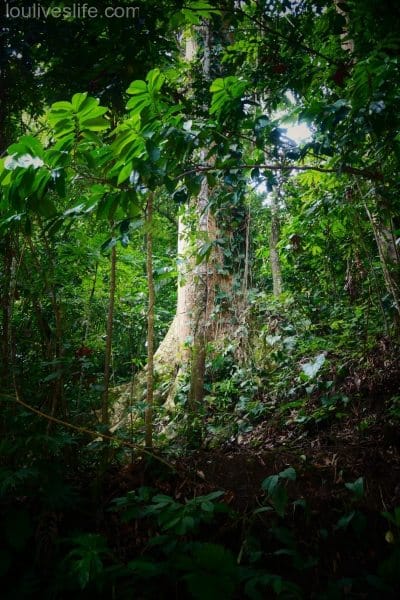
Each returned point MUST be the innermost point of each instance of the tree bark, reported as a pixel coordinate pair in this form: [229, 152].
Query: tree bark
[184, 348]
[389, 258]
[150, 327]
[273, 246]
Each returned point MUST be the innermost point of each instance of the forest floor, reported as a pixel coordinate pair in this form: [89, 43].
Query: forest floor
[324, 459]
[326, 534]
[295, 510]
[362, 443]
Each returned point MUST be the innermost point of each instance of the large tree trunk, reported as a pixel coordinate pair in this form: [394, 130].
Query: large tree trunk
[194, 325]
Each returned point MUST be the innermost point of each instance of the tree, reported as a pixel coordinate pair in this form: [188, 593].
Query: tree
[200, 134]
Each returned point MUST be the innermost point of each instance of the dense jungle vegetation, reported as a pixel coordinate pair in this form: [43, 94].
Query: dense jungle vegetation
[200, 307]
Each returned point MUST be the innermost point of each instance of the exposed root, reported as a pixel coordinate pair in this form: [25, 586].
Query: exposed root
[167, 366]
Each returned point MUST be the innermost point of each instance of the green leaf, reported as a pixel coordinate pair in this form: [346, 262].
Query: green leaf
[310, 369]
[78, 101]
[288, 473]
[45, 207]
[211, 496]
[65, 107]
[155, 81]
[262, 509]
[107, 206]
[90, 108]
[52, 376]
[123, 140]
[269, 484]
[207, 506]
[279, 500]
[196, 10]
[27, 144]
[357, 487]
[95, 124]
[226, 92]
[62, 126]
[138, 103]
[124, 174]
[393, 517]
[204, 252]
[137, 87]
[145, 568]
[345, 521]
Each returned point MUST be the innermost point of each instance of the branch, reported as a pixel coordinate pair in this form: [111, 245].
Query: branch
[94, 434]
[374, 175]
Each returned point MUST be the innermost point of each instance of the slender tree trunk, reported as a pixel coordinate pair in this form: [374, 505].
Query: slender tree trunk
[107, 358]
[273, 245]
[55, 339]
[6, 304]
[89, 304]
[150, 327]
[7, 259]
[390, 266]
[200, 309]
[246, 271]
[58, 387]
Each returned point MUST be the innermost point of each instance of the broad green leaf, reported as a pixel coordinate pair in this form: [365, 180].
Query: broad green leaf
[204, 252]
[27, 144]
[269, 484]
[218, 85]
[137, 87]
[96, 124]
[279, 499]
[122, 140]
[155, 81]
[357, 487]
[196, 10]
[310, 369]
[65, 107]
[145, 568]
[138, 103]
[288, 473]
[78, 101]
[125, 173]
[89, 106]
[45, 207]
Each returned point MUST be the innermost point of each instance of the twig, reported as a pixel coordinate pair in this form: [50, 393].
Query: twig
[79, 429]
